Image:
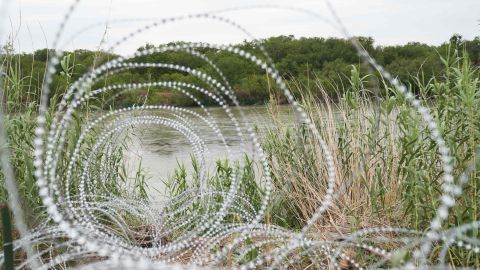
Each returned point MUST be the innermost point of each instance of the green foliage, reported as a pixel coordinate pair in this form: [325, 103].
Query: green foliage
[391, 172]
[388, 170]
[219, 181]
[21, 94]
[328, 59]
[456, 107]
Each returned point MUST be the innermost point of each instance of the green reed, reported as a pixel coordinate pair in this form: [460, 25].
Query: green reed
[388, 168]
[20, 123]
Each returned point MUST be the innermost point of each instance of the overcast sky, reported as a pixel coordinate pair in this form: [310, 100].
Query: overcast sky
[389, 22]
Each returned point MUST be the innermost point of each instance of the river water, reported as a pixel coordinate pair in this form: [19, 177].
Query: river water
[159, 149]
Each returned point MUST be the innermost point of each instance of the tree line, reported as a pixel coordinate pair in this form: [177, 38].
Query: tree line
[299, 60]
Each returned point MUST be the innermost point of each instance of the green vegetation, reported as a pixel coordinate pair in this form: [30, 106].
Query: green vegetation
[302, 60]
[388, 168]
[20, 123]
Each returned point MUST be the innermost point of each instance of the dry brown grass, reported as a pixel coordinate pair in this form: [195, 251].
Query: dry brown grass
[366, 154]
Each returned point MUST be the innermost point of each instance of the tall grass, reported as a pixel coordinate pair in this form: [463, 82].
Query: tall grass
[388, 170]
[362, 138]
[21, 109]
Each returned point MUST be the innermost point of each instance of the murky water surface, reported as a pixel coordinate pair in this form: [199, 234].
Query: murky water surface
[159, 149]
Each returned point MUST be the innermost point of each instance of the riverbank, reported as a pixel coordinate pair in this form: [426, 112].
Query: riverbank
[387, 167]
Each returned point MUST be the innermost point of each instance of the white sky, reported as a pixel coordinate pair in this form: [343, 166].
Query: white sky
[34, 22]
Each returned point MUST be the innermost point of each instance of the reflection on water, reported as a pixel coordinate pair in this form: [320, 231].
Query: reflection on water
[160, 149]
